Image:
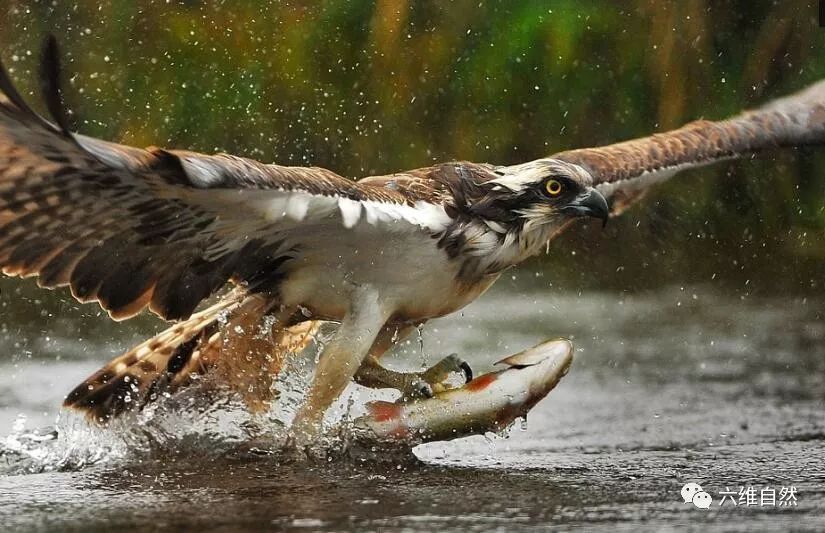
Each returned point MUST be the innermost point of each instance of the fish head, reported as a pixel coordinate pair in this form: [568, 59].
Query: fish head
[539, 368]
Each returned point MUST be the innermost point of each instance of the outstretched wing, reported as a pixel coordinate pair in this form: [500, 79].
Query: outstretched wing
[131, 228]
[629, 167]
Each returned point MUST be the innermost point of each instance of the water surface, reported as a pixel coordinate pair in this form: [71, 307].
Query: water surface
[667, 388]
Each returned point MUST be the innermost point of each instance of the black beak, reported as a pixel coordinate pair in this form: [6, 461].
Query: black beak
[591, 203]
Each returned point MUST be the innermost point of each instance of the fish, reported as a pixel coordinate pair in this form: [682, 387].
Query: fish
[489, 403]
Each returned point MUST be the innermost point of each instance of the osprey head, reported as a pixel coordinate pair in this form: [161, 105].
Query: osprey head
[541, 195]
[513, 212]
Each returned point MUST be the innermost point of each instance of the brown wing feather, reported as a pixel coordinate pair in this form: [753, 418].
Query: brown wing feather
[791, 121]
[131, 228]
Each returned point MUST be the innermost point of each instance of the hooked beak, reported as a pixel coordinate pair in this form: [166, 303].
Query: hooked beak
[591, 203]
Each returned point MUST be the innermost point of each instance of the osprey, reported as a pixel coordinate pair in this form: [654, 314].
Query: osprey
[162, 229]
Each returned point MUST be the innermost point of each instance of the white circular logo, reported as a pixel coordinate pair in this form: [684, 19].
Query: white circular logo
[693, 493]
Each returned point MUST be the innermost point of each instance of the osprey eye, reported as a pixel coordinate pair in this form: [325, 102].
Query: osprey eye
[553, 187]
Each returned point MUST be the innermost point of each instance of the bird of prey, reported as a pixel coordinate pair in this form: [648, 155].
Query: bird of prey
[162, 229]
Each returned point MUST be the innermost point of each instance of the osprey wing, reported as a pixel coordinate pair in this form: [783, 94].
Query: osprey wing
[133, 228]
[631, 166]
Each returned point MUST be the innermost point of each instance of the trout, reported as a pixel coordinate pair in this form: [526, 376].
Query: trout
[489, 403]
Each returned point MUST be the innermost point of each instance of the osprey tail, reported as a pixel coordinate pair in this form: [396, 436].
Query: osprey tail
[211, 340]
[162, 363]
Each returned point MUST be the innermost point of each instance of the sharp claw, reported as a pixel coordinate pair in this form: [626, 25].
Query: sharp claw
[468, 372]
[437, 374]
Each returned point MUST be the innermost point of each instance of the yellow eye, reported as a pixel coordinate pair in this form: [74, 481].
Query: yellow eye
[553, 187]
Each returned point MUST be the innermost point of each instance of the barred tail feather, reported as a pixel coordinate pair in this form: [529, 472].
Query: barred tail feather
[239, 359]
[162, 363]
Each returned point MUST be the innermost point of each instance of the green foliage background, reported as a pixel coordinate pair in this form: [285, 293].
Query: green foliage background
[372, 87]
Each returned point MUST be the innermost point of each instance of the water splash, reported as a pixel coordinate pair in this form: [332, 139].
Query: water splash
[71, 444]
[203, 420]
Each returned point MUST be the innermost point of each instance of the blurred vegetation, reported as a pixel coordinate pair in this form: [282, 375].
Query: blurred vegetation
[371, 87]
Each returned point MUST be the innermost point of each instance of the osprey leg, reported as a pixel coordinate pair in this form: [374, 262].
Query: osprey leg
[371, 374]
[339, 361]
[411, 384]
